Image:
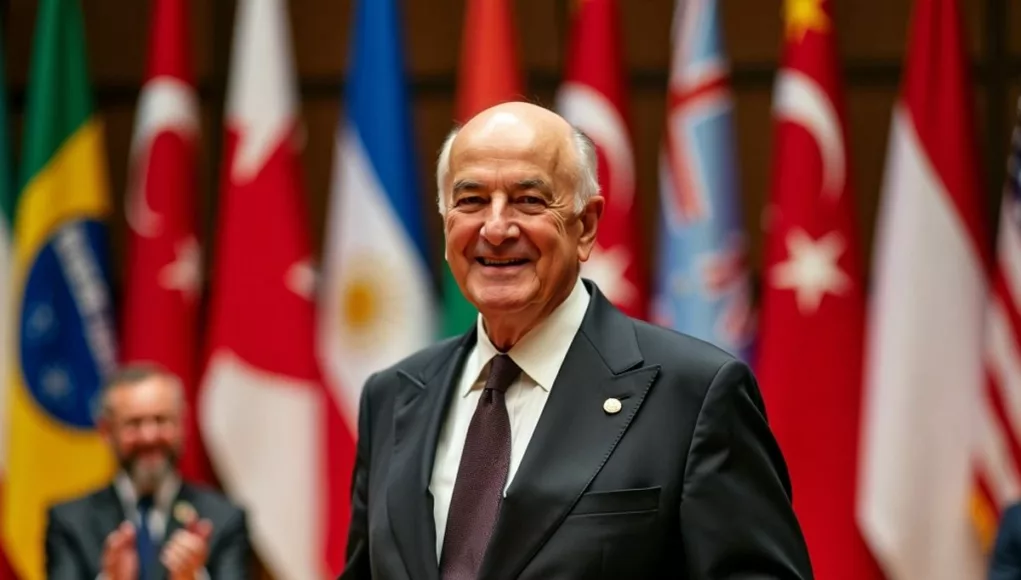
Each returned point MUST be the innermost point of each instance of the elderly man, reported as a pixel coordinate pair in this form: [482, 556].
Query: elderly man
[559, 438]
[147, 524]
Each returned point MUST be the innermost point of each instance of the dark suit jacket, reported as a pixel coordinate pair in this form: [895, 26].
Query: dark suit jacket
[1006, 560]
[76, 530]
[686, 481]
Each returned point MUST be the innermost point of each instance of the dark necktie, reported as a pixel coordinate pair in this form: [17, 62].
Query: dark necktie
[143, 539]
[481, 477]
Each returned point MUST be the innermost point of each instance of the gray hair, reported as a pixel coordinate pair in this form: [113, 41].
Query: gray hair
[586, 179]
[133, 374]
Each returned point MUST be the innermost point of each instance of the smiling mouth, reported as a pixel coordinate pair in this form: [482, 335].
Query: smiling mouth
[501, 263]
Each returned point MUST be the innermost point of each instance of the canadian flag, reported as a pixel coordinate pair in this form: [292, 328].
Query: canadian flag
[273, 431]
[164, 258]
[924, 364]
[593, 98]
[813, 304]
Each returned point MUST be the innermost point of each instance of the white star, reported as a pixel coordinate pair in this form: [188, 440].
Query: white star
[811, 269]
[606, 268]
[184, 274]
[301, 279]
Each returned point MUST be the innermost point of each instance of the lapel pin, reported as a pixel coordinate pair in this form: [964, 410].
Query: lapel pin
[185, 513]
[611, 405]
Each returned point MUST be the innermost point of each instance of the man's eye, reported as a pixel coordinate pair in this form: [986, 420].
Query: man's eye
[469, 200]
[531, 200]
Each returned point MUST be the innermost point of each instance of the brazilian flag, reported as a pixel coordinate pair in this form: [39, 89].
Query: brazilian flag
[65, 332]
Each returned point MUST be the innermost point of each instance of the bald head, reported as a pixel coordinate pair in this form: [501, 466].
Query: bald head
[519, 126]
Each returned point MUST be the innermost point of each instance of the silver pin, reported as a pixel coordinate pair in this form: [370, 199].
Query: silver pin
[611, 405]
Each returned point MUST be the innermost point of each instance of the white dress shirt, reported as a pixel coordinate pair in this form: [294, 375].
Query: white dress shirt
[159, 515]
[539, 354]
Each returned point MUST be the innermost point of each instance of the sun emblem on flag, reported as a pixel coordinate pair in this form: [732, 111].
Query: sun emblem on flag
[368, 306]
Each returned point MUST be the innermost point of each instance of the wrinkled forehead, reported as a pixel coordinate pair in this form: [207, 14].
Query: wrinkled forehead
[503, 143]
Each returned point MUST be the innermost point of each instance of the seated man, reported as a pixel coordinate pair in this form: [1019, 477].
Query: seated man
[146, 523]
[1006, 560]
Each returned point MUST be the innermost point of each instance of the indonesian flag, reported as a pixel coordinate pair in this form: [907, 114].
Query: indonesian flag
[163, 270]
[593, 98]
[273, 432]
[924, 372]
[813, 314]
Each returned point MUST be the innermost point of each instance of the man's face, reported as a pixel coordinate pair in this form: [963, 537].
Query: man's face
[143, 426]
[514, 241]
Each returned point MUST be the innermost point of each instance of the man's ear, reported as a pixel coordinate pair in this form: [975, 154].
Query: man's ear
[589, 220]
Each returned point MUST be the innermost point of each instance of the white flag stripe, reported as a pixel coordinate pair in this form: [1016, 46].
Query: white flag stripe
[258, 464]
[1003, 362]
[928, 305]
[376, 303]
[994, 457]
[1009, 250]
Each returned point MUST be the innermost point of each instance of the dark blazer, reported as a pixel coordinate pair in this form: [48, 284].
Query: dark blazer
[686, 481]
[76, 530]
[1006, 560]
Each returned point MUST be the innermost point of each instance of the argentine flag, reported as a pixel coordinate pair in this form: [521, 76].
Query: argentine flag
[377, 304]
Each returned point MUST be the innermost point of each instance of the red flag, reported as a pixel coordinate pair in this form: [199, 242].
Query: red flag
[273, 431]
[489, 72]
[812, 325]
[593, 98]
[163, 271]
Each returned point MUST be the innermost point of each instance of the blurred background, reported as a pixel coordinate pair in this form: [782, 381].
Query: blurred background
[804, 144]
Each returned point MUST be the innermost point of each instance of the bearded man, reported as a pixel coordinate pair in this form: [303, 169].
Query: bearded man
[146, 523]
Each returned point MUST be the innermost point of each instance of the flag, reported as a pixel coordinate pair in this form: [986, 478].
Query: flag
[701, 285]
[593, 98]
[377, 302]
[813, 306]
[7, 332]
[161, 298]
[488, 76]
[268, 421]
[998, 453]
[924, 368]
[65, 343]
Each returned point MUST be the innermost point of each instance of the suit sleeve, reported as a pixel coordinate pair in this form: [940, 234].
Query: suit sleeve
[736, 519]
[357, 566]
[233, 553]
[61, 563]
[1005, 563]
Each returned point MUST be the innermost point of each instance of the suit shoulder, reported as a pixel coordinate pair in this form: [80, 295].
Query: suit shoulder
[210, 502]
[81, 504]
[1012, 515]
[671, 349]
[417, 363]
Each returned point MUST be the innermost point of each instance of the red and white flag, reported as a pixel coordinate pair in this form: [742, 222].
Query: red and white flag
[924, 359]
[273, 431]
[998, 460]
[813, 310]
[594, 99]
[162, 291]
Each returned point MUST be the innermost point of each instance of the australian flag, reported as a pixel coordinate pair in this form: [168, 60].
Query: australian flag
[702, 286]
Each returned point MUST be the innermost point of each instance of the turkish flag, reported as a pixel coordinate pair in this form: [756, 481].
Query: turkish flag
[164, 258]
[594, 99]
[272, 429]
[812, 319]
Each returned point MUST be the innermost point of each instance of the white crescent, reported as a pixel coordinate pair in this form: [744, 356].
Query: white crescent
[800, 100]
[593, 113]
[165, 104]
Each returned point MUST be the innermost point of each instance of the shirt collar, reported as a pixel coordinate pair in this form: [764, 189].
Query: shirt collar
[163, 498]
[542, 351]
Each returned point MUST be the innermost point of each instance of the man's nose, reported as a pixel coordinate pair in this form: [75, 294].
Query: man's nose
[499, 225]
[149, 431]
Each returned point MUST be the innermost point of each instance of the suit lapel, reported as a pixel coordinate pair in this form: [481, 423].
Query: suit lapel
[419, 411]
[574, 436]
[109, 513]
